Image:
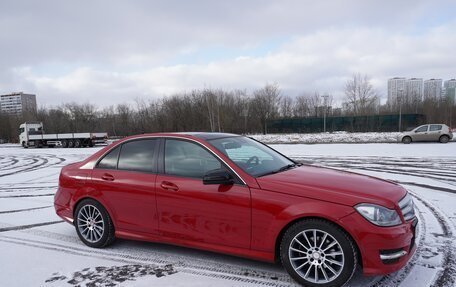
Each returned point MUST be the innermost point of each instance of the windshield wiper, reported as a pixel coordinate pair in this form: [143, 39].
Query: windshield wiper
[283, 168]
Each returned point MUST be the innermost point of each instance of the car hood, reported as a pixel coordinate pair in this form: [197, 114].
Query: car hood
[333, 185]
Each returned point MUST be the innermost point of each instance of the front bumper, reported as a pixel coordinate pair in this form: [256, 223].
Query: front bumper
[383, 249]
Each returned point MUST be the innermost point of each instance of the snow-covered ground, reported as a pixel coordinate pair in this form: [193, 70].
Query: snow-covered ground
[37, 249]
[335, 137]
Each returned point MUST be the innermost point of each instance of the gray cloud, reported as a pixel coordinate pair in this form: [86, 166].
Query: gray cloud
[114, 51]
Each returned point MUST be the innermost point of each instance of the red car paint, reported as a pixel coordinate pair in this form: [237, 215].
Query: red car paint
[241, 219]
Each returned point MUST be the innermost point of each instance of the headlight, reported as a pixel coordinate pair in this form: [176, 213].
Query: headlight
[378, 215]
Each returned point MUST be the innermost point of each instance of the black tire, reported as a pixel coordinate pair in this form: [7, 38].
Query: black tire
[24, 145]
[77, 143]
[71, 144]
[406, 140]
[444, 139]
[64, 144]
[344, 245]
[91, 144]
[108, 235]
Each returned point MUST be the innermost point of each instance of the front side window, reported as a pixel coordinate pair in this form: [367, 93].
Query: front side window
[434, 128]
[422, 129]
[187, 159]
[110, 160]
[251, 156]
[137, 155]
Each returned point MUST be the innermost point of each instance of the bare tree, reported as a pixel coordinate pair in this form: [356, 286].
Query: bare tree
[360, 96]
[265, 104]
[286, 107]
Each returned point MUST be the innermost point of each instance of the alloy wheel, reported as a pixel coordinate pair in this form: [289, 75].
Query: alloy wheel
[90, 223]
[316, 256]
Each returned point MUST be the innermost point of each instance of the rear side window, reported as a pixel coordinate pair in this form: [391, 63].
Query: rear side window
[137, 155]
[435, 128]
[110, 160]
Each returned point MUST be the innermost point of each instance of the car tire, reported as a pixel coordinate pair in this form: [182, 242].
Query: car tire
[331, 259]
[444, 139]
[77, 143]
[64, 144]
[93, 224]
[406, 140]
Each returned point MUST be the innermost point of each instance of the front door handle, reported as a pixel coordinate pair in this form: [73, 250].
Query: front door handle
[169, 186]
[107, 177]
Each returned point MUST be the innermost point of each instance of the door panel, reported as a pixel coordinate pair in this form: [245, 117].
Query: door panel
[421, 134]
[125, 179]
[190, 210]
[434, 132]
[130, 196]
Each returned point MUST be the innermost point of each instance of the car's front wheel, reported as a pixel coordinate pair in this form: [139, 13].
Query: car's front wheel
[93, 224]
[406, 140]
[318, 253]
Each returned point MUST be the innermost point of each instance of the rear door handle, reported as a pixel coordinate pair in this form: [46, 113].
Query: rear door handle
[169, 186]
[107, 177]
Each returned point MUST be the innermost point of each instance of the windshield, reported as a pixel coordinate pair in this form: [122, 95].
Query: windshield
[251, 156]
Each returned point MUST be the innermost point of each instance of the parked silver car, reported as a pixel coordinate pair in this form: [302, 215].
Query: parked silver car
[427, 133]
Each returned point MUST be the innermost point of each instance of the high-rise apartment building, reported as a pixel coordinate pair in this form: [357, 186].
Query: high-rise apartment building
[17, 103]
[449, 87]
[414, 90]
[396, 89]
[432, 89]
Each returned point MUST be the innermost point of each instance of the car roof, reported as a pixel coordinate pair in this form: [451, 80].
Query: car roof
[200, 135]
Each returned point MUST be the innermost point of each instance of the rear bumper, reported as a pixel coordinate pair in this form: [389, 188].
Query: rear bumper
[64, 213]
[383, 249]
[62, 206]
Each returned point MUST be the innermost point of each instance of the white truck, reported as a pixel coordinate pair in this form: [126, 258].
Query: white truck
[32, 135]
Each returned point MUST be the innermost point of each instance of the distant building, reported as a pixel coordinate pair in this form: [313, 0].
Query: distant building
[432, 89]
[396, 90]
[414, 90]
[17, 103]
[449, 87]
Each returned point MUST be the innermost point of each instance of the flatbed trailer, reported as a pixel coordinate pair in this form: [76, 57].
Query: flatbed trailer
[32, 135]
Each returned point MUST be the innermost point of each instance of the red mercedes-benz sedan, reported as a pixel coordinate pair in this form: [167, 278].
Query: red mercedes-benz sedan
[232, 194]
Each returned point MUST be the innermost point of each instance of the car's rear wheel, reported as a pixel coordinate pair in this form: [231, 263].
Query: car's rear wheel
[318, 253]
[444, 139]
[93, 224]
[406, 140]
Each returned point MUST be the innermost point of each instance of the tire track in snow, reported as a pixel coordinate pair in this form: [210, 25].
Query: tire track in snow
[254, 277]
[445, 277]
[21, 227]
[25, 209]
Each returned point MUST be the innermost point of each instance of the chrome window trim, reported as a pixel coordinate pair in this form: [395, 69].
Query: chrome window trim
[172, 137]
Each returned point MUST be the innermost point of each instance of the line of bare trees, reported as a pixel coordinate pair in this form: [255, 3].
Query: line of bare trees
[217, 110]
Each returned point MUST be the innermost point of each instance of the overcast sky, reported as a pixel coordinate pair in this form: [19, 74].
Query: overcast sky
[108, 52]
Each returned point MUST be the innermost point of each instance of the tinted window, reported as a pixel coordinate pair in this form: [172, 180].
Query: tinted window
[422, 129]
[435, 128]
[137, 155]
[188, 159]
[110, 160]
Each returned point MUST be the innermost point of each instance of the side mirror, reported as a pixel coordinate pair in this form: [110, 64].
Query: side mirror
[218, 176]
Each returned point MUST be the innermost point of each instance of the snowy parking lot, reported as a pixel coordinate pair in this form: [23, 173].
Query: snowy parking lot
[38, 249]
